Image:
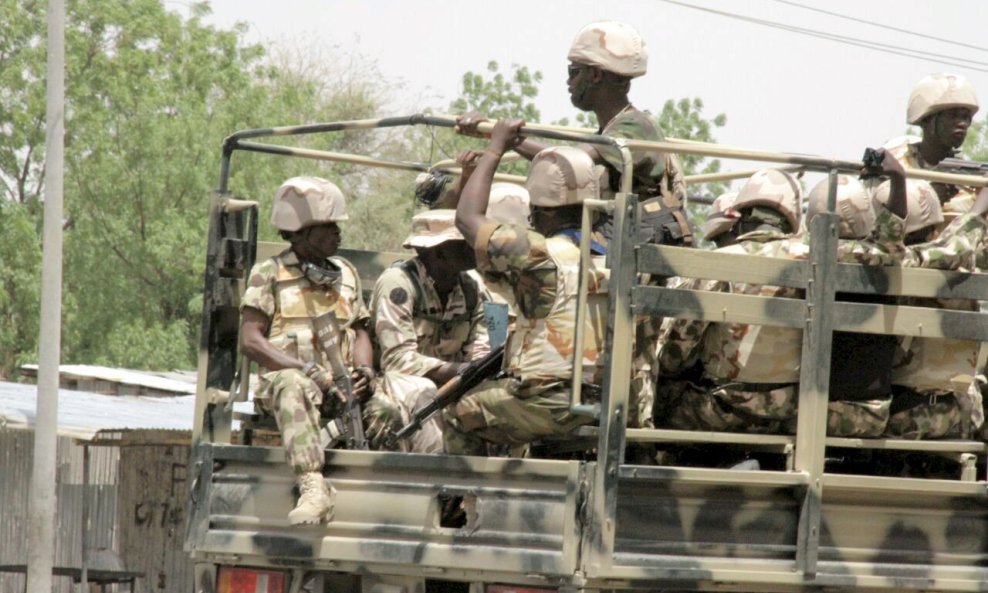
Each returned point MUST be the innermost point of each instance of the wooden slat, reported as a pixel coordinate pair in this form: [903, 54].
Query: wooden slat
[698, 263]
[910, 321]
[718, 306]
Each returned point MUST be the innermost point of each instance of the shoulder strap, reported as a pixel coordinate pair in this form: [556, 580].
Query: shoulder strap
[408, 266]
[471, 292]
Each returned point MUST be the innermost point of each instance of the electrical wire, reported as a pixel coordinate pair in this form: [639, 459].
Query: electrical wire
[853, 41]
[882, 26]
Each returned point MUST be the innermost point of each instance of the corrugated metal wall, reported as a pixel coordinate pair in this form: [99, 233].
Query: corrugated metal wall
[16, 454]
[137, 499]
[152, 514]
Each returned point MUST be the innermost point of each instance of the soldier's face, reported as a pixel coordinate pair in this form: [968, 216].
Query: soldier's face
[457, 256]
[578, 82]
[324, 240]
[950, 126]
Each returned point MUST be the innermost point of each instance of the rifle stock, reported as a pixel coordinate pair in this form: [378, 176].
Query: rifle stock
[451, 392]
[962, 166]
[330, 337]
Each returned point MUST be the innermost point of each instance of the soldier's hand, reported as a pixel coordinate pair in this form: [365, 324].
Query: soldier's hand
[324, 381]
[891, 165]
[468, 160]
[363, 382]
[505, 135]
[466, 124]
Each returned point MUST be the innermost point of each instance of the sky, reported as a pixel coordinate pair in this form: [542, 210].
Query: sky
[780, 90]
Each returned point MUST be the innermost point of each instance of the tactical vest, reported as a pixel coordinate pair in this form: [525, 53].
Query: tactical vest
[298, 302]
[540, 349]
[753, 354]
[471, 295]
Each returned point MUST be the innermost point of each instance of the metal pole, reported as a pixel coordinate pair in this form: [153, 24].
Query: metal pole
[41, 512]
[84, 546]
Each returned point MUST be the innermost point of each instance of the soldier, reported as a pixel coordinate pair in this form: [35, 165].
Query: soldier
[428, 319]
[604, 57]
[933, 396]
[736, 377]
[943, 105]
[283, 297]
[531, 400]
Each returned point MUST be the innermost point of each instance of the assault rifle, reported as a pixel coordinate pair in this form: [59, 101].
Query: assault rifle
[451, 391]
[329, 336]
[962, 167]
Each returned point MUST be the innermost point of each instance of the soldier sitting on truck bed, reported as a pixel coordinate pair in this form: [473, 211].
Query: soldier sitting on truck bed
[428, 319]
[284, 295]
[943, 105]
[531, 399]
[749, 374]
[934, 395]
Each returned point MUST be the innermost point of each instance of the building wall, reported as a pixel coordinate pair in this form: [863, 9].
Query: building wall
[137, 499]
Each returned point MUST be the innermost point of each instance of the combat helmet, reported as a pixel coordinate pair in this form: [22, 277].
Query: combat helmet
[563, 176]
[611, 46]
[937, 92]
[508, 204]
[773, 189]
[923, 205]
[306, 201]
[857, 216]
[723, 217]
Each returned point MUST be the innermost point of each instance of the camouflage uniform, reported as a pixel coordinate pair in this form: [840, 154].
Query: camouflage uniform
[750, 373]
[278, 289]
[532, 400]
[936, 396]
[415, 338]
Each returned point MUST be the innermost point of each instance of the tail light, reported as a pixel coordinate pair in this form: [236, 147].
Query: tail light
[233, 579]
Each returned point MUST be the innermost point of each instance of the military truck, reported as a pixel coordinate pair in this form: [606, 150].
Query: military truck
[596, 521]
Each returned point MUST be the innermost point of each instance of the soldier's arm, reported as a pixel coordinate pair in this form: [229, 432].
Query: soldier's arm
[363, 357]
[254, 342]
[392, 304]
[472, 208]
[478, 344]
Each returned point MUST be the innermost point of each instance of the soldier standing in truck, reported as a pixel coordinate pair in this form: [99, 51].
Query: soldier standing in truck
[284, 295]
[428, 320]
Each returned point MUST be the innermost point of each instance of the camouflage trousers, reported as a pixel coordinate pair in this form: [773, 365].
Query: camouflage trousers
[730, 408]
[407, 394]
[941, 414]
[494, 413]
[294, 400]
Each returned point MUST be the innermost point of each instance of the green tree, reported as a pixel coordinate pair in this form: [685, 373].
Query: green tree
[150, 96]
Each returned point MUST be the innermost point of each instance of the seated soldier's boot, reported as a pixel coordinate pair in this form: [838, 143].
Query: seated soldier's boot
[315, 504]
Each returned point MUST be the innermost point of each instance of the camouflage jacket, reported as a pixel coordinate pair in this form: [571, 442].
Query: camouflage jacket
[654, 173]
[278, 289]
[415, 338]
[908, 154]
[544, 272]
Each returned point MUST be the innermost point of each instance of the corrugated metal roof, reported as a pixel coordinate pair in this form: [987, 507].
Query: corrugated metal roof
[174, 383]
[82, 415]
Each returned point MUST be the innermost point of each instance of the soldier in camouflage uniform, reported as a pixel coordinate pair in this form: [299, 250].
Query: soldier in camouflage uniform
[943, 105]
[428, 320]
[934, 395]
[531, 400]
[284, 295]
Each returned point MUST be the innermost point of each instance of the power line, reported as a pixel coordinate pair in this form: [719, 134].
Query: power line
[882, 26]
[875, 46]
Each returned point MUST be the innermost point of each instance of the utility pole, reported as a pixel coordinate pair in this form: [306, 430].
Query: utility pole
[41, 512]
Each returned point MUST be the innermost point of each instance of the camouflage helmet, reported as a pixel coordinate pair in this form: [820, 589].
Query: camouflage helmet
[773, 189]
[922, 202]
[722, 216]
[432, 227]
[857, 216]
[612, 46]
[563, 176]
[305, 201]
[508, 204]
[937, 92]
